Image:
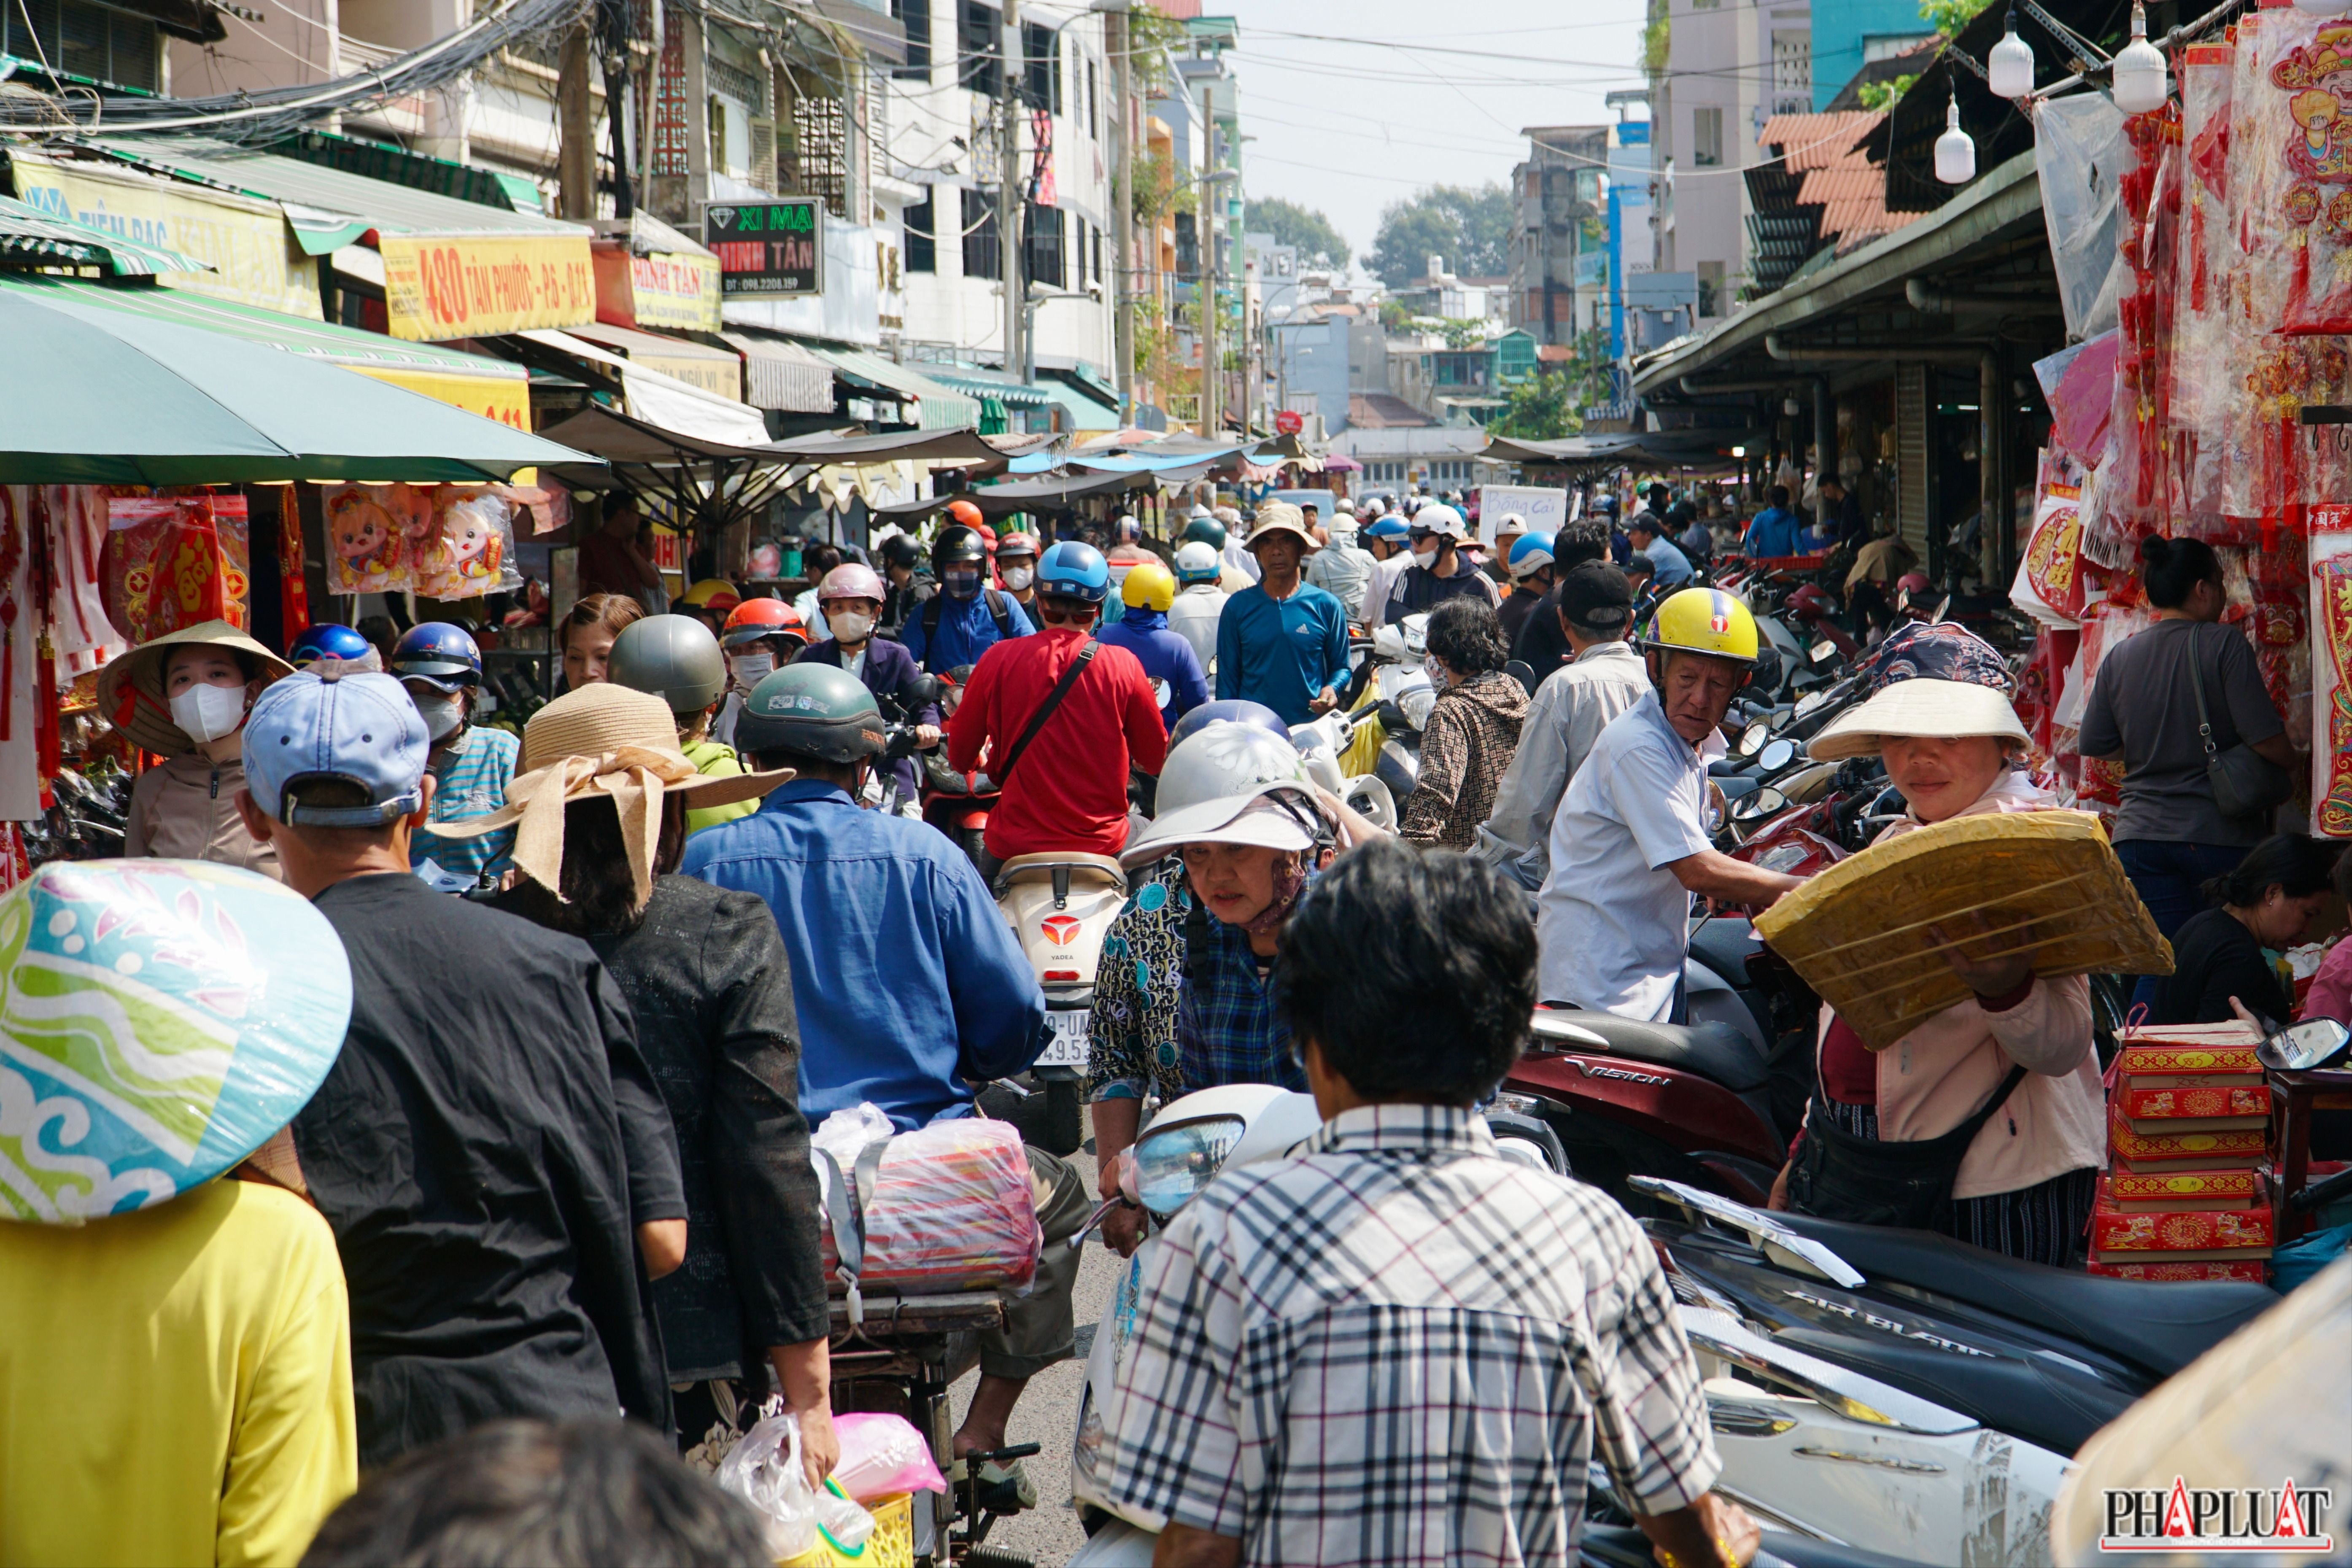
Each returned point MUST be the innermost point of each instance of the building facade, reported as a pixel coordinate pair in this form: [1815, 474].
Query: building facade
[1558, 191]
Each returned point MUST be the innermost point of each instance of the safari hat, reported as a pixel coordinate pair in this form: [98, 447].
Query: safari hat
[131, 688]
[603, 739]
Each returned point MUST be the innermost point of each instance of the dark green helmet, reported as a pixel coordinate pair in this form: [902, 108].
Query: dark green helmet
[816, 710]
[673, 657]
[1208, 530]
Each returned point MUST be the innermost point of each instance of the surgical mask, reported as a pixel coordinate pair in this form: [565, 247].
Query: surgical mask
[1017, 578]
[208, 713]
[750, 669]
[961, 582]
[1434, 668]
[850, 625]
[443, 715]
[1425, 559]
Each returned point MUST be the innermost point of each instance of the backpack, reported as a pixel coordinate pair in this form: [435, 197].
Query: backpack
[996, 611]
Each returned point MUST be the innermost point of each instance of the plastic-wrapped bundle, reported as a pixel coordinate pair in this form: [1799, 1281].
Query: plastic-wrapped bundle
[2080, 148]
[161, 1020]
[948, 1207]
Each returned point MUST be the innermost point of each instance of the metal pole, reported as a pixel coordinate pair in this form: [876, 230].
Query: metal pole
[1123, 289]
[1205, 270]
[1009, 188]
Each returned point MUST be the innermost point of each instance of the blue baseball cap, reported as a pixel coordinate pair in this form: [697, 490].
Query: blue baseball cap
[361, 727]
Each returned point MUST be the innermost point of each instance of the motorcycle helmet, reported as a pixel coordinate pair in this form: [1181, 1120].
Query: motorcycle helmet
[1148, 586]
[1529, 553]
[963, 512]
[1074, 570]
[1229, 710]
[715, 594]
[1910, 587]
[757, 619]
[901, 550]
[814, 710]
[1207, 530]
[328, 640]
[1387, 526]
[673, 657]
[850, 581]
[1210, 784]
[442, 655]
[1704, 621]
[959, 546]
[1197, 562]
[1014, 545]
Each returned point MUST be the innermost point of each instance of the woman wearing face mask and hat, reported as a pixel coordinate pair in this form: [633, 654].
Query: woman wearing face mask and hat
[185, 696]
[850, 599]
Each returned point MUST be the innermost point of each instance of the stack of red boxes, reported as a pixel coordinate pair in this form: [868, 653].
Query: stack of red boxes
[2188, 1188]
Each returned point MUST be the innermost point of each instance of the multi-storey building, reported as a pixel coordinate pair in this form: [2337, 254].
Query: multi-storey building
[1558, 189]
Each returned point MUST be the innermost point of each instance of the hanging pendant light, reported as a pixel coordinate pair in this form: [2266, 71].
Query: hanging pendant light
[1956, 154]
[2009, 66]
[2140, 86]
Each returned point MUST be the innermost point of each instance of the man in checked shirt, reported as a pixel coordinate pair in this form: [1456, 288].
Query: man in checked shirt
[1397, 1348]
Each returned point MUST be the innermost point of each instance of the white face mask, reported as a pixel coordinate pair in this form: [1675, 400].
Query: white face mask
[1017, 578]
[1426, 560]
[750, 669]
[443, 715]
[208, 713]
[850, 626]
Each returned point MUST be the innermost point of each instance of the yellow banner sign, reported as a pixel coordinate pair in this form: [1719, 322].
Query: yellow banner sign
[437, 289]
[505, 399]
[253, 255]
[673, 291]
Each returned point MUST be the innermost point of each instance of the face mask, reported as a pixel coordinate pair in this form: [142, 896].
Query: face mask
[961, 582]
[443, 715]
[1017, 578]
[850, 626]
[208, 713]
[1425, 559]
[1434, 669]
[750, 669]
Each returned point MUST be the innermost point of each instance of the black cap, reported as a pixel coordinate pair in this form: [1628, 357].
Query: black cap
[1596, 598]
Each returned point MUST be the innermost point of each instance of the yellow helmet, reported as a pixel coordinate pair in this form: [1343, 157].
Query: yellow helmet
[1705, 621]
[714, 593]
[1148, 586]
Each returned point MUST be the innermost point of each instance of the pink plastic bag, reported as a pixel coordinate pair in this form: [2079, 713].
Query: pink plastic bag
[881, 1455]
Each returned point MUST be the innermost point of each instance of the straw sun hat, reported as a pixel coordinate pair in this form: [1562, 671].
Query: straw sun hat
[1940, 682]
[130, 689]
[608, 740]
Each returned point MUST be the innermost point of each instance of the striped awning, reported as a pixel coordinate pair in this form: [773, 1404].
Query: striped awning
[30, 237]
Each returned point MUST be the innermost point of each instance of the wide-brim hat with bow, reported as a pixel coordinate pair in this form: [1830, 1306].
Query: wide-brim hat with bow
[130, 689]
[606, 740]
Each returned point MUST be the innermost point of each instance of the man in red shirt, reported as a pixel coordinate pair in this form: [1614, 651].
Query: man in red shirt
[1065, 789]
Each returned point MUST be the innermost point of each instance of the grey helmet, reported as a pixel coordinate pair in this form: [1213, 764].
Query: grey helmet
[816, 710]
[673, 657]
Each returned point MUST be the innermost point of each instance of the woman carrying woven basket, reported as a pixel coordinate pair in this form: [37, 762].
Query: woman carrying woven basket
[1985, 1120]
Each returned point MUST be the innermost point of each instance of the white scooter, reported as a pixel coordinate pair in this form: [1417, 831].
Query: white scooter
[1059, 904]
[1190, 1144]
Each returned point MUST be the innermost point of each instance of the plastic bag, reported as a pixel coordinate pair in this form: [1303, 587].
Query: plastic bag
[2080, 151]
[881, 1455]
[463, 550]
[765, 1471]
[368, 530]
[952, 1209]
[174, 561]
[845, 1133]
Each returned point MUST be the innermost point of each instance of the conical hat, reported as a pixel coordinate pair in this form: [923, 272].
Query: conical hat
[130, 689]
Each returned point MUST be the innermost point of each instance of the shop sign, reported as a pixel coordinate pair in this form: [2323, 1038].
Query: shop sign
[666, 289]
[505, 399]
[254, 259]
[437, 288]
[767, 248]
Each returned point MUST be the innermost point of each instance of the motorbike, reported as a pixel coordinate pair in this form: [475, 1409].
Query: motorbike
[1059, 904]
[1900, 1391]
[86, 819]
[1322, 744]
[957, 804]
[1180, 1150]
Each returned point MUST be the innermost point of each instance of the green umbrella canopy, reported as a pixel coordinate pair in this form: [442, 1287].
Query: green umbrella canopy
[104, 396]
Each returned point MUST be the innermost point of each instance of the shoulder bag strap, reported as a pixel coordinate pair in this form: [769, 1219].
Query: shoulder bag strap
[1044, 711]
[2197, 684]
[1975, 1124]
[1001, 615]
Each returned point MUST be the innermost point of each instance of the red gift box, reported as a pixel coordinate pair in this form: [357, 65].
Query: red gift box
[2253, 1273]
[2216, 1151]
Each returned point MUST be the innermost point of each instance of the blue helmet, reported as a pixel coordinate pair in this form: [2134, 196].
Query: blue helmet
[1074, 570]
[1232, 710]
[328, 640]
[1531, 552]
[1388, 527]
[439, 654]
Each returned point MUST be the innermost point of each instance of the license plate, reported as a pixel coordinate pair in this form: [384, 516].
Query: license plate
[1068, 1046]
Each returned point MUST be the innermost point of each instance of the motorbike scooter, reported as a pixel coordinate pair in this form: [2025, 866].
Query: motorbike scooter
[1059, 904]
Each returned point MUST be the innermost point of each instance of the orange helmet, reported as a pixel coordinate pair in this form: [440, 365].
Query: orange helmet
[715, 594]
[964, 512]
[758, 618]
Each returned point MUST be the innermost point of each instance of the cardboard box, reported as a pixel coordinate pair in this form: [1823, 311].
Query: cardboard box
[2180, 1232]
[2133, 1150]
[2173, 1192]
[2254, 1272]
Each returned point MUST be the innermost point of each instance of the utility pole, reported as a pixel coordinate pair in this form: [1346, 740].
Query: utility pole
[1206, 287]
[1123, 302]
[575, 122]
[1010, 186]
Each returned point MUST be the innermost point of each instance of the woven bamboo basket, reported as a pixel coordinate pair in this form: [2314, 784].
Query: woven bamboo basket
[1871, 934]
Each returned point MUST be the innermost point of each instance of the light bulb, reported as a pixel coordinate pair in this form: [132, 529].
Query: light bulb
[2140, 76]
[1956, 155]
[1790, 407]
[2009, 66]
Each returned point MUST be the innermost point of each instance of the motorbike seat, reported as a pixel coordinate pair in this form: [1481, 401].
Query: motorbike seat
[1101, 870]
[1715, 1052]
[2160, 1326]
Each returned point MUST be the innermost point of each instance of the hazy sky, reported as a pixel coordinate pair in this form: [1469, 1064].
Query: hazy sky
[1350, 126]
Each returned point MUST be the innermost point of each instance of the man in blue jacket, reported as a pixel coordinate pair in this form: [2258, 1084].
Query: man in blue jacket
[1166, 657]
[965, 618]
[1776, 530]
[1282, 641]
[906, 978]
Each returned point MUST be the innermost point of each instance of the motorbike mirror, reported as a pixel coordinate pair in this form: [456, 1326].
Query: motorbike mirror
[926, 689]
[1760, 805]
[1941, 609]
[1822, 651]
[1752, 738]
[2298, 1048]
[1777, 755]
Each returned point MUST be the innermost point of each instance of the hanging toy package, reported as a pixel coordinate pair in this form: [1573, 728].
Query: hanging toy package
[2331, 626]
[367, 528]
[465, 550]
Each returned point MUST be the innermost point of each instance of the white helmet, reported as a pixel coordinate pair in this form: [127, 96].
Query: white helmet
[1209, 785]
[1441, 519]
[1196, 561]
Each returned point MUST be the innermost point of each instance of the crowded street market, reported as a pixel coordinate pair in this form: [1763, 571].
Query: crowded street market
[700, 865]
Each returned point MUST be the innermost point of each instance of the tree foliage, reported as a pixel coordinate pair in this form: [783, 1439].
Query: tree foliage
[1462, 332]
[1318, 242]
[1542, 408]
[1886, 94]
[1470, 229]
[1949, 16]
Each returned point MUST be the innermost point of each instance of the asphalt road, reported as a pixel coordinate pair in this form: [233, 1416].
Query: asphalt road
[1048, 1415]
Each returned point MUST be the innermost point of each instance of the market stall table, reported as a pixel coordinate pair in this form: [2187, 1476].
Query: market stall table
[2293, 1097]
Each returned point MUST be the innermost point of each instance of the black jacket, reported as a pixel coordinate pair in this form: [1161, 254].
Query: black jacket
[2214, 957]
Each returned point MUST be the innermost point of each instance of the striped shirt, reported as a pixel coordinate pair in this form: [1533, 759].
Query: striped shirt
[470, 783]
[1399, 1348]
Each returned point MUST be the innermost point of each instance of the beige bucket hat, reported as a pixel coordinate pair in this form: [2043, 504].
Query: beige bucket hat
[130, 689]
[1280, 517]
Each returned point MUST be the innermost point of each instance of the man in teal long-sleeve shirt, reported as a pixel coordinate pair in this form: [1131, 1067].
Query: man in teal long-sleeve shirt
[1282, 642]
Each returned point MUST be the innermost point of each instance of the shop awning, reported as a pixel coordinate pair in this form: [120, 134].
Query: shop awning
[783, 375]
[660, 399]
[1079, 412]
[452, 268]
[1023, 494]
[114, 396]
[962, 448]
[715, 371]
[30, 237]
[938, 407]
[983, 385]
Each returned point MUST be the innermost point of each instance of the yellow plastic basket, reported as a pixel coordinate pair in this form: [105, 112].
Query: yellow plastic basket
[892, 1544]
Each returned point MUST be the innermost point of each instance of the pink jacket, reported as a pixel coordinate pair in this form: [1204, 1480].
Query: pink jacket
[1940, 1074]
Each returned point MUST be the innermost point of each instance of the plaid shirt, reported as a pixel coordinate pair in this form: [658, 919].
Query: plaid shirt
[1400, 1349]
[472, 783]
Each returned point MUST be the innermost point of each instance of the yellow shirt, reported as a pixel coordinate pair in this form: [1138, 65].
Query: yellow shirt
[175, 1385]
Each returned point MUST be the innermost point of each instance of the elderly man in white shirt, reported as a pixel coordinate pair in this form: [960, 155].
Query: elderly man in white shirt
[1629, 845]
[1571, 709]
